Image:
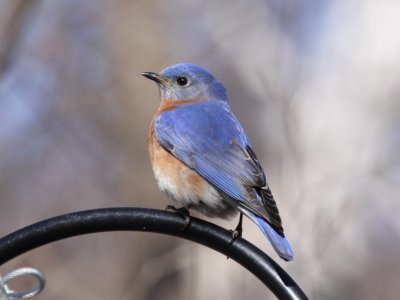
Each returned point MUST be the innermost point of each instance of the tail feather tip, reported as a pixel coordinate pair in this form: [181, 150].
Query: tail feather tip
[278, 242]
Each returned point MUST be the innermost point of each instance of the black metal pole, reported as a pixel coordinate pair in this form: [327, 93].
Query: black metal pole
[151, 220]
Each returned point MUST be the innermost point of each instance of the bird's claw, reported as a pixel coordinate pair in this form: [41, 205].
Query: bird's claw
[182, 211]
[237, 233]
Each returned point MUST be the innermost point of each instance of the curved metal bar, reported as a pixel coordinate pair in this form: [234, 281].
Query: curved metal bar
[151, 220]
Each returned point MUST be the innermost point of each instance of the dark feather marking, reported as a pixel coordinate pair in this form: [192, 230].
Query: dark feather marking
[260, 173]
[271, 208]
[168, 146]
[252, 154]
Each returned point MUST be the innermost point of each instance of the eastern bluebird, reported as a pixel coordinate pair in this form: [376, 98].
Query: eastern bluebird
[202, 157]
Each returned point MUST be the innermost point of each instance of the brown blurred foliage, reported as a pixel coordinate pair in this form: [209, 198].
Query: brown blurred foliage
[315, 83]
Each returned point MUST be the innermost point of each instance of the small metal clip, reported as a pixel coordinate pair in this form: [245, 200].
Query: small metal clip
[7, 293]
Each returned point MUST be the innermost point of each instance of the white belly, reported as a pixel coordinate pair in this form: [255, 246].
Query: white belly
[184, 185]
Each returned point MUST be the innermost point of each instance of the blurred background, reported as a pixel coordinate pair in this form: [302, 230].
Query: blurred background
[316, 84]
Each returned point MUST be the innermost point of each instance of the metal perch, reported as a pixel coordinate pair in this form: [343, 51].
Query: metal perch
[151, 220]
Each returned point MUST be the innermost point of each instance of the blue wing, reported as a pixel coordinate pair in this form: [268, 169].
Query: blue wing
[207, 137]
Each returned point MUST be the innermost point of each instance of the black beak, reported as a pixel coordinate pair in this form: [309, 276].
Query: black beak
[155, 77]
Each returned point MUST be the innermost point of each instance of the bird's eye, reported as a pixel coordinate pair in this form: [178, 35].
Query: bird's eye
[182, 81]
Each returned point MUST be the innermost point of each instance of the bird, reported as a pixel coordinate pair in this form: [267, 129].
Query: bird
[202, 157]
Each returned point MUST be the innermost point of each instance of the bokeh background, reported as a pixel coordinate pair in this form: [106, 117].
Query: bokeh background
[316, 84]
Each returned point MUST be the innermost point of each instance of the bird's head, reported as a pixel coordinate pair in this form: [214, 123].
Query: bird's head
[186, 82]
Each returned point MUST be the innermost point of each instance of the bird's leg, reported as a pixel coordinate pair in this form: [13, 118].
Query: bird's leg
[183, 211]
[238, 230]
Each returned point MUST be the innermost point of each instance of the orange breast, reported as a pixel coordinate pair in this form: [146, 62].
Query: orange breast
[173, 176]
[180, 182]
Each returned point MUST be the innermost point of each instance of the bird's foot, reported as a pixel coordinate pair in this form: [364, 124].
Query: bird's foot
[182, 211]
[237, 233]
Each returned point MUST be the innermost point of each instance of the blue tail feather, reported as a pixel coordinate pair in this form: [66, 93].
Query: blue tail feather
[278, 242]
